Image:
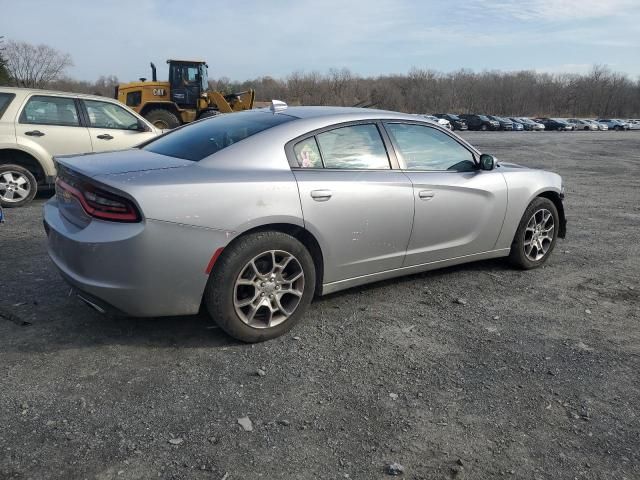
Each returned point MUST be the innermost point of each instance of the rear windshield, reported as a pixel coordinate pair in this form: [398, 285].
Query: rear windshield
[5, 100]
[201, 139]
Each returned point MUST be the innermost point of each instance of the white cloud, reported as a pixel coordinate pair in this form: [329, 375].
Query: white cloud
[557, 10]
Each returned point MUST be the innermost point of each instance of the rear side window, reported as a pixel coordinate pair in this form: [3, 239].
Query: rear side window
[201, 139]
[5, 100]
[354, 147]
[45, 110]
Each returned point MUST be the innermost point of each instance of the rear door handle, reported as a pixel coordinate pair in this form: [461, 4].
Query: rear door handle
[105, 136]
[321, 195]
[426, 194]
[34, 133]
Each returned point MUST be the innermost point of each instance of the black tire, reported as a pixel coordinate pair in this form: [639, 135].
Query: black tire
[13, 179]
[483, 128]
[162, 118]
[518, 256]
[220, 290]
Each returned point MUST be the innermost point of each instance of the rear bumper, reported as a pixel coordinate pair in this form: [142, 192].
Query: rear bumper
[146, 269]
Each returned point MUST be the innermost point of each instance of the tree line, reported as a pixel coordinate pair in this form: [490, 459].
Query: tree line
[599, 93]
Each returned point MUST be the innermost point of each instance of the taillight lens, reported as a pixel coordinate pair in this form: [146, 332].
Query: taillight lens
[97, 202]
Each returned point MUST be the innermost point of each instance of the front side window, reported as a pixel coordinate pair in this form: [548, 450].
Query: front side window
[425, 148]
[201, 139]
[5, 100]
[45, 110]
[353, 147]
[109, 115]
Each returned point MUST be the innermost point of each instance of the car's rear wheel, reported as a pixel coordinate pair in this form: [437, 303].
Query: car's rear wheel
[483, 128]
[18, 186]
[261, 286]
[536, 236]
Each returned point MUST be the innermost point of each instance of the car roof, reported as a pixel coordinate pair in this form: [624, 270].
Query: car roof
[346, 112]
[37, 91]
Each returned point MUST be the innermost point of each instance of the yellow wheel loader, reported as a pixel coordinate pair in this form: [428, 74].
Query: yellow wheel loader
[183, 99]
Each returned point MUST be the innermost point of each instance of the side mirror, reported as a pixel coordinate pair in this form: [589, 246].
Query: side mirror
[487, 162]
[142, 127]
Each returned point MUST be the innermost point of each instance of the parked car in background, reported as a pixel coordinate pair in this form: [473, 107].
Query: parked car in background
[601, 126]
[529, 124]
[503, 122]
[456, 122]
[250, 215]
[35, 125]
[479, 122]
[613, 123]
[555, 124]
[440, 121]
[517, 126]
[633, 124]
[580, 124]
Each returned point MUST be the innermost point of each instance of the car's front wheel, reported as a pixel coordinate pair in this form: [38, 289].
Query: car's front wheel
[536, 236]
[18, 186]
[261, 286]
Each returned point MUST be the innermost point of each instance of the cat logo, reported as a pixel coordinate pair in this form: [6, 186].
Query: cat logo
[158, 92]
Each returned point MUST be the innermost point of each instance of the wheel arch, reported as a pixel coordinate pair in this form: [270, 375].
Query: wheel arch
[300, 233]
[16, 156]
[556, 198]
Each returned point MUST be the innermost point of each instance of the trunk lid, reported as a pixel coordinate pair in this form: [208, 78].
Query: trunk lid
[121, 161]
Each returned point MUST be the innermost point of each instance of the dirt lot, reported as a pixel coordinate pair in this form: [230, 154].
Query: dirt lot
[533, 375]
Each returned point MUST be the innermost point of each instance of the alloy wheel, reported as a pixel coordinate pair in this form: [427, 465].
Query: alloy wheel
[14, 187]
[268, 289]
[538, 235]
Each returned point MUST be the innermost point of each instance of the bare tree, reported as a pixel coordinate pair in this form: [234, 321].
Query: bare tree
[35, 66]
[4, 74]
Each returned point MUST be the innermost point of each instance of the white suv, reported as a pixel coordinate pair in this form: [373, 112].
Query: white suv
[35, 125]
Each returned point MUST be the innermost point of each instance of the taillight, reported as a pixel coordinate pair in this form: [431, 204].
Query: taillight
[98, 202]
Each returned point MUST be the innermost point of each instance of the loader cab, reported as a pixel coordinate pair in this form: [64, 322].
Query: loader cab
[187, 80]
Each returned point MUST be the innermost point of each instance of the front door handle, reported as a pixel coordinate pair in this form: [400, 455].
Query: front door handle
[321, 195]
[34, 133]
[426, 194]
[105, 136]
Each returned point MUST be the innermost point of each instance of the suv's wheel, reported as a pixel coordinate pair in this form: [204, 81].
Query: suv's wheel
[261, 286]
[163, 119]
[483, 128]
[18, 186]
[536, 235]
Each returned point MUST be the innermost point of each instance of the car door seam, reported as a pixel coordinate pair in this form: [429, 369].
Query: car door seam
[506, 209]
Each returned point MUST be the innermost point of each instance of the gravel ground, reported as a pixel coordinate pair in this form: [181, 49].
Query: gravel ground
[477, 371]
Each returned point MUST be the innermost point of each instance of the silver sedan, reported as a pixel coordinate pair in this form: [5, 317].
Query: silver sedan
[249, 215]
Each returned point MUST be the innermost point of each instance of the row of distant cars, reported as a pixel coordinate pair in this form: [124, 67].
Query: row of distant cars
[470, 121]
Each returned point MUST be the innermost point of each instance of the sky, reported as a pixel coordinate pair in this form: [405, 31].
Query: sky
[245, 39]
